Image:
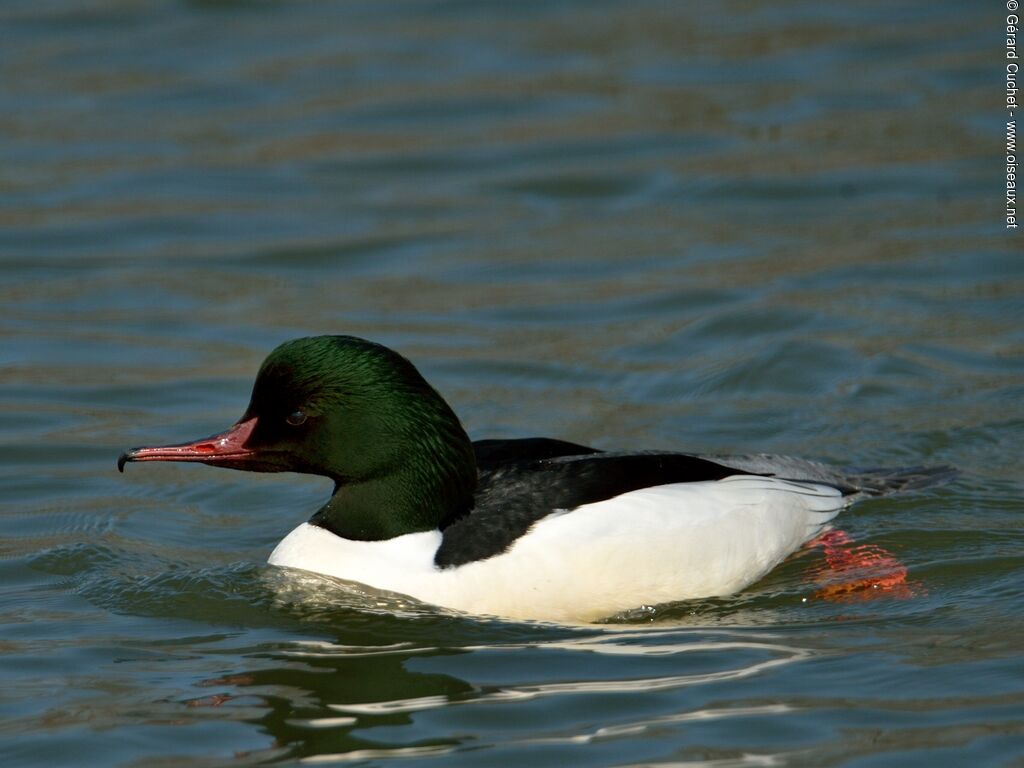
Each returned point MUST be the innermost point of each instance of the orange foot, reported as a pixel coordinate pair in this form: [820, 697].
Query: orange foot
[858, 572]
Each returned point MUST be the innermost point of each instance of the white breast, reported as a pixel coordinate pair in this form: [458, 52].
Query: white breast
[654, 545]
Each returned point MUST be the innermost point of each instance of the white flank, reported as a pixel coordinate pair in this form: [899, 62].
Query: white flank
[654, 545]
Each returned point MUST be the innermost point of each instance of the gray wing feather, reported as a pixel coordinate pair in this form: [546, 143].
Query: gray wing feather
[855, 482]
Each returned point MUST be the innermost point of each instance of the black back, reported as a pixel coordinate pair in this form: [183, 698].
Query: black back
[492, 453]
[523, 481]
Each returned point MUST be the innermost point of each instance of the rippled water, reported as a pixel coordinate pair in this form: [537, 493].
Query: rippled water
[755, 226]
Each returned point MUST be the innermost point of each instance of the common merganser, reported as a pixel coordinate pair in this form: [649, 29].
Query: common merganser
[534, 528]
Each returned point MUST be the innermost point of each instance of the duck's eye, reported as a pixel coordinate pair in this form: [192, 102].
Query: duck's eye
[296, 418]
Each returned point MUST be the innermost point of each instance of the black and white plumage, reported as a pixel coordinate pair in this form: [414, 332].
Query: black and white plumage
[557, 527]
[536, 528]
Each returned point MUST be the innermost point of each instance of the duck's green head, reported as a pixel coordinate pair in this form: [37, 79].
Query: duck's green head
[356, 412]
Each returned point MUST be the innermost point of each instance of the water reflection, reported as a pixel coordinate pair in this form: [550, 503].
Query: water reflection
[333, 698]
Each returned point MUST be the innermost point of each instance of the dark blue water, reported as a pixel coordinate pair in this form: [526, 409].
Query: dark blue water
[712, 227]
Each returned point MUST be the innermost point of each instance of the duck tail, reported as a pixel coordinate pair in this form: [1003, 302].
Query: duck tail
[855, 483]
[882, 481]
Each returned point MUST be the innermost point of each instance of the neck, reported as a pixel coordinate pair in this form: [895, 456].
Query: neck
[419, 496]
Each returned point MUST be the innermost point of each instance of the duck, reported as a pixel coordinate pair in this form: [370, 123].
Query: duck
[532, 528]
